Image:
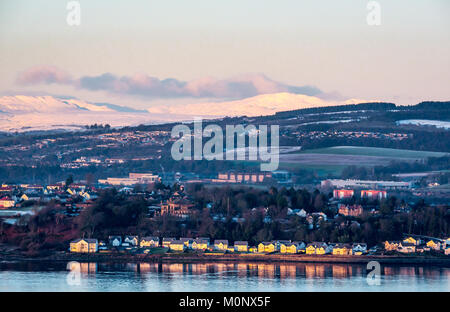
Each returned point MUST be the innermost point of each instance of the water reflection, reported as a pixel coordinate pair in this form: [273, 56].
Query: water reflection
[222, 277]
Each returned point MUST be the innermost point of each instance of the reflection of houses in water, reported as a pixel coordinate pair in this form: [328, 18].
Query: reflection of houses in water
[288, 271]
[314, 270]
[148, 267]
[242, 269]
[340, 270]
[88, 267]
[266, 270]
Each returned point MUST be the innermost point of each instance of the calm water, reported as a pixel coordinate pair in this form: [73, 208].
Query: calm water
[230, 277]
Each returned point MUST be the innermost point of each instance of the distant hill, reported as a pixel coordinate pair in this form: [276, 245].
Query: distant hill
[433, 105]
[376, 106]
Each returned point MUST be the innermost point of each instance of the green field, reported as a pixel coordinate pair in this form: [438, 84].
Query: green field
[374, 151]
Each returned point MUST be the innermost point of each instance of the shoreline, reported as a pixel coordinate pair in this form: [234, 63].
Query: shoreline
[205, 258]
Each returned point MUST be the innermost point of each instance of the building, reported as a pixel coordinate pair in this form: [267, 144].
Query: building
[434, 245]
[317, 248]
[342, 194]
[241, 246]
[131, 240]
[145, 178]
[167, 241]
[177, 207]
[115, 241]
[133, 179]
[359, 249]
[84, 245]
[200, 244]
[242, 177]
[373, 194]
[412, 240]
[267, 247]
[391, 245]
[291, 248]
[342, 249]
[221, 244]
[7, 202]
[177, 245]
[406, 247]
[377, 185]
[150, 241]
[350, 210]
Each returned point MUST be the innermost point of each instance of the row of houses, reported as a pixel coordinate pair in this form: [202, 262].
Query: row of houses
[219, 245]
[412, 244]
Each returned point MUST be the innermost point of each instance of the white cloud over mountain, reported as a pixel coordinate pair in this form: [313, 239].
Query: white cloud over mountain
[237, 87]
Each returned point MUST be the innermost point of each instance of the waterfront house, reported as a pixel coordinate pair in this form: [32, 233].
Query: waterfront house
[291, 248]
[406, 247]
[131, 240]
[412, 240]
[434, 244]
[317, 248]
[150, 241]
[115, 241]
[177, 245]
[267, 247]
[84, 245]
[221, 244]
[359, 249]
[200, 244]
[241, 246]
[167, 241]
[342, 250]
[391, 245]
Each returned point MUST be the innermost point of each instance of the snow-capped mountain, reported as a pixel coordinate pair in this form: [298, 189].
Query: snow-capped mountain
[265, 104]
[26, 113]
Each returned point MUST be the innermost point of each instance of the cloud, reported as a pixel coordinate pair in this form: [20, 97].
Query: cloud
[43, 75]
[237, 87]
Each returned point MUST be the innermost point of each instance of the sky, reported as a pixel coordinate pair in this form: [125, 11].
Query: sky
[145, 53]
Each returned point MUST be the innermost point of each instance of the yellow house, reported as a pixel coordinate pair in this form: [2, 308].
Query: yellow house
[83, 245]
[149, 242]
[241, 246]
[342, 250]
[200, 244]
[316, 249]
[177, 245]
[221, 244]
[435, 245]
[267, 247]
[391, 246]
[411, 240]
[290, 248]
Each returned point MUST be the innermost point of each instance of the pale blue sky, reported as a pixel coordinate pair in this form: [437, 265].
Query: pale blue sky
[322, 43]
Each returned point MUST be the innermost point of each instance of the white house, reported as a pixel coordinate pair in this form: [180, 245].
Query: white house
[359, 248]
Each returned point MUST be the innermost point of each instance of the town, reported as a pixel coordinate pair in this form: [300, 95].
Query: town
[282, 220]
